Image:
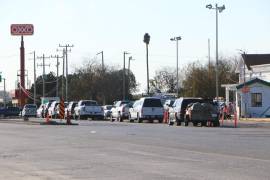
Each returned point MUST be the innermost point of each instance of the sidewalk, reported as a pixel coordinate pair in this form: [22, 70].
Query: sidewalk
[254, 119]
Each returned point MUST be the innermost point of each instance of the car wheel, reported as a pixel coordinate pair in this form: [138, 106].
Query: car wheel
[195, 124]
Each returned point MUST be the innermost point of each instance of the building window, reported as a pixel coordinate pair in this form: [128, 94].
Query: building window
[256, 99]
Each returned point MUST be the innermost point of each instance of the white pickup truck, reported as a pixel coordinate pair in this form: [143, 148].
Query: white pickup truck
[88, 109]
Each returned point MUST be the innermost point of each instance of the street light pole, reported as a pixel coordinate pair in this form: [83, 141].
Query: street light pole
[218, 9]
[35, 77]
[146, 40]
[217, 73]
[177, 78]
[102, 59]
[124, 75]
[129, 59]
[4, 92]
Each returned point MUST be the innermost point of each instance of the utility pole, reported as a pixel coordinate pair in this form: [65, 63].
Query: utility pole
[35, 77]
[43, 76]
[208, 55]
[103, 71]
[57, 72]
[124, 76]
[129, 59]
[102, 59]
[4, 92]
[66, 54]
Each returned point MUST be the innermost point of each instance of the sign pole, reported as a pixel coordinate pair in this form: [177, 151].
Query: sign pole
[22, 74]
[22, 30]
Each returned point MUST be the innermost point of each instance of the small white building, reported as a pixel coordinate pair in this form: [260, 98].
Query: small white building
[254, 98]
[252, 93]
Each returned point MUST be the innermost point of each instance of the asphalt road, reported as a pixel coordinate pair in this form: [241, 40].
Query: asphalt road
[120, 151]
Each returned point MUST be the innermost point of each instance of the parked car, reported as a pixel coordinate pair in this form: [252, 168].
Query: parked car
[40, 111]
[29, 110]
[46, 109]
[147, 108]
[10, 111]
[120, 111]
[88, 109]
[52, 109]
[70, 108]
[168, 103]
[107, 110]
[178, 110]
[201, 113]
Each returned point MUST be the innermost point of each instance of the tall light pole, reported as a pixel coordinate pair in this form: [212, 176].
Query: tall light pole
[4, 92]
[178, 38]
[102, 59]
[129, 59]
[218, 9]
[35, 77]
[146, 40]
[124, 75]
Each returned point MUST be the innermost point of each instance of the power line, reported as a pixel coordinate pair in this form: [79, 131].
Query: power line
[43, 65]
[66, 56]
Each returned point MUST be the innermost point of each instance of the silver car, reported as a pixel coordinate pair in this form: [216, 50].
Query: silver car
[29, 110]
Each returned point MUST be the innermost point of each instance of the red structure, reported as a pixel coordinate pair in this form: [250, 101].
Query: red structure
[21, 30]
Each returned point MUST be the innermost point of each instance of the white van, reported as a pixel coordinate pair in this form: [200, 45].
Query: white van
[147, 108]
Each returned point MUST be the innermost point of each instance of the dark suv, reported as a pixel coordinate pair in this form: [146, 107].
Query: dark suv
[178, 109]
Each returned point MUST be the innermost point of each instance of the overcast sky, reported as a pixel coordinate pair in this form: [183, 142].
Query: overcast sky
[115, 26]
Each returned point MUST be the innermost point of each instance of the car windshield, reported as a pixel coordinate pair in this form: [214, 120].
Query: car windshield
[108, 107]
[89, 103]
[30, 106]
[188, 101]
[152, 103]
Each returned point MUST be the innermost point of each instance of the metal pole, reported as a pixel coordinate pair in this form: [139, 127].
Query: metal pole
[57, 74]
[63, 73]
[66, 74]
[177, 81]
[217, 73]
[22, 72]
[147, 69]
[43, 91]
[35, 78]
[4, 92]
[208, 55]
[124, 78]
[102, 61]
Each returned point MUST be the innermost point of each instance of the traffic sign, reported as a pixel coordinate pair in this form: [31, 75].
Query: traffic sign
[22, 29]
[245, 89]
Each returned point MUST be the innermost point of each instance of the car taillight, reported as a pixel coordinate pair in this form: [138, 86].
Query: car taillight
[123, 109]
